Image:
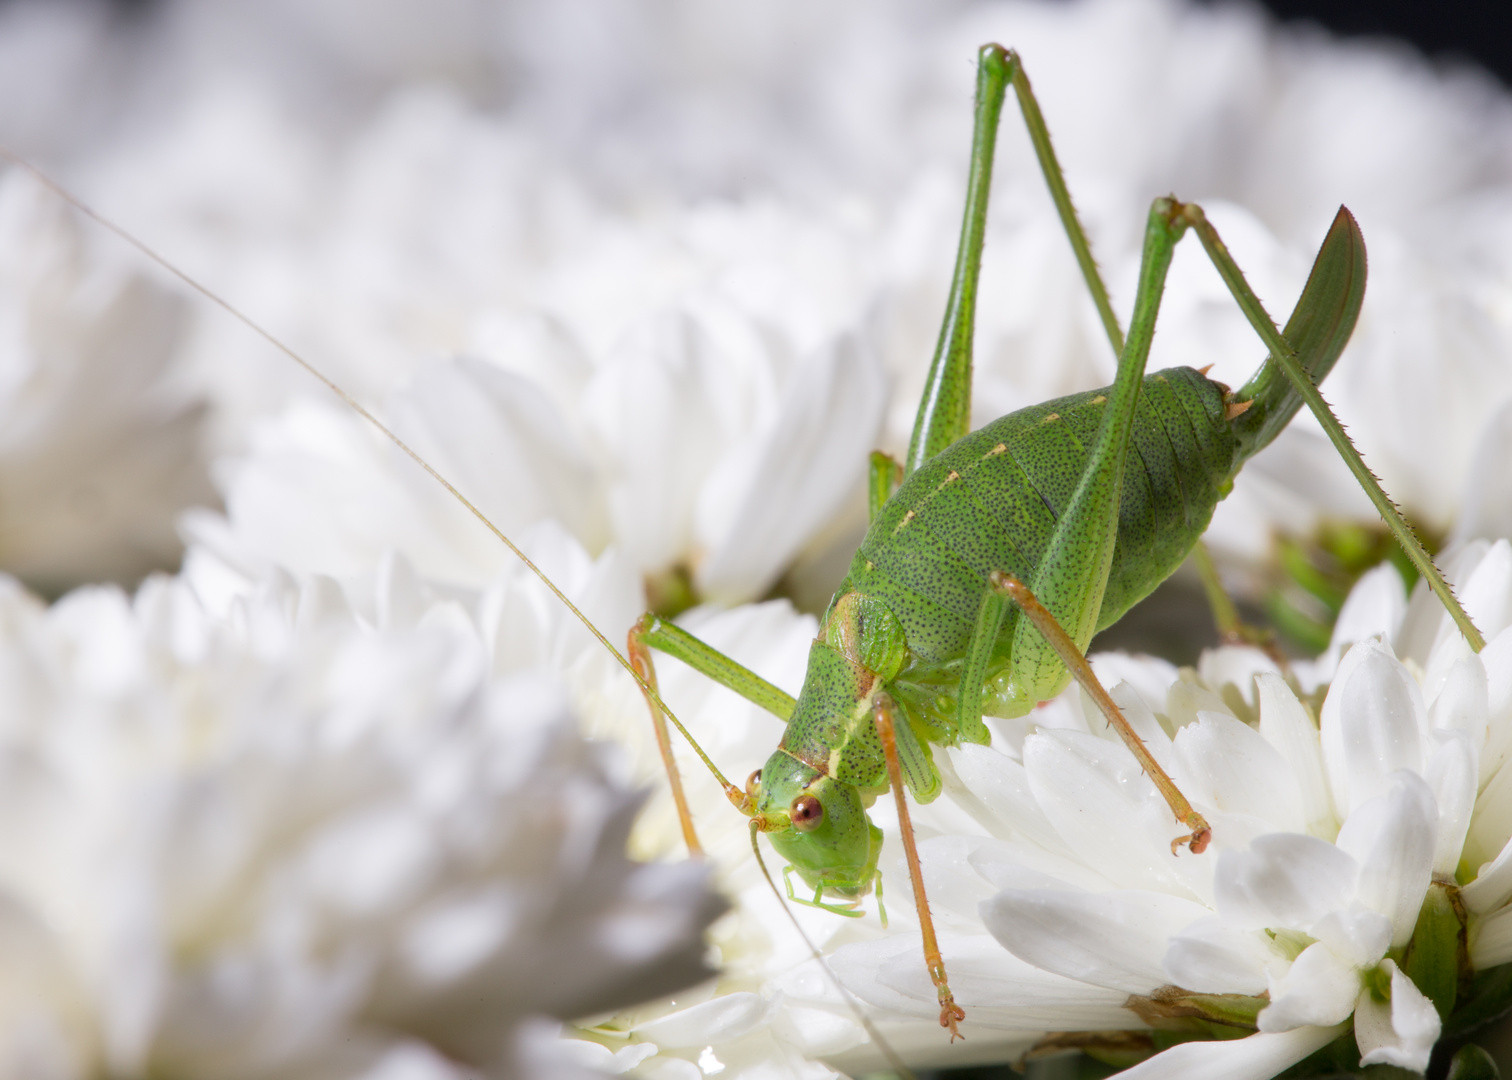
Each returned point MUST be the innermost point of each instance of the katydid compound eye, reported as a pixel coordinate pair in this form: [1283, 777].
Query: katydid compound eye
[807, 813]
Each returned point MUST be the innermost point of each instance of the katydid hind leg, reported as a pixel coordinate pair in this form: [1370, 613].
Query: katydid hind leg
[1072, 574]
[1317, 331]
[945, 406]
[1060, 194]
[1073, 656]
[984, 637]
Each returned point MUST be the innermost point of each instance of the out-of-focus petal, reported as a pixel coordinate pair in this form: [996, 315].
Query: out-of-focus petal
[1116, 939]
[1257, 1057]
[1491, 941]
[1400, 1032]
[768, 498]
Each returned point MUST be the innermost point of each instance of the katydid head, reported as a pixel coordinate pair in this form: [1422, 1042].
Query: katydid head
[827, 836]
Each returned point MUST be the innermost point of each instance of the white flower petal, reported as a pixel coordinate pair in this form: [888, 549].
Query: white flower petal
[658, 410]
[1236, 666]
[1096, 797]
[1492, 886]
[1461, 702]
[1373, 724]
[1231, 766]
[1018, 865]
[1451, 778]
[1286, 725]
[987, 980]
[719, 1019]
[1400, 1032]
[1212, 957]
[1496, 658]
[1491, 824]
[1115, 939]
[499, 438]
[1487, 594]
[1319, 988]
[1491, 940]
[1423, 626]
[1356, 936]
[1258, 1057]
[1394, 838]
[1283, 880]
[770, 496]
[1374, 607]
[996, 788]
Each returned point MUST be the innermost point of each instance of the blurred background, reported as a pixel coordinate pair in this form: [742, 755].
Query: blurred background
[561, 189]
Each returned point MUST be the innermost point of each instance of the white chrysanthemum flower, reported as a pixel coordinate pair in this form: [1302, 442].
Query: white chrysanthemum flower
[303, 840]
[1328, 839]
[691, 455]
[98, 452]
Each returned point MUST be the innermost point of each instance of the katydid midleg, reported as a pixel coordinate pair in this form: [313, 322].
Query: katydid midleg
[993, 556]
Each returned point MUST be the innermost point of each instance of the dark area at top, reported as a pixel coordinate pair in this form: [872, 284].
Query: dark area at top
[1456, 30]
[1475, 30]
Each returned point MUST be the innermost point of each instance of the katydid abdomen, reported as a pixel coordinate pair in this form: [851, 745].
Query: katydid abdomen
[991, 501]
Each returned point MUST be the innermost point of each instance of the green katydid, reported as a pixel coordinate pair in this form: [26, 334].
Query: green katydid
[993, 556]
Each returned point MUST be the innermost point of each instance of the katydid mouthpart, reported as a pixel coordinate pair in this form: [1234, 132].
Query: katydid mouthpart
[993, 556]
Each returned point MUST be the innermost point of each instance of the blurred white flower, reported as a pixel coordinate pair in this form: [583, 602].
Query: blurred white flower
[302, 841]
[528, 184]
[719, 458]
[99, 451]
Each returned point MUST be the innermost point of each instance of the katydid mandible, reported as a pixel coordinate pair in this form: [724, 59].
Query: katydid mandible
[993, 556]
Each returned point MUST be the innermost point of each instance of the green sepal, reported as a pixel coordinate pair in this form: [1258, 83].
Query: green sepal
[1471, 1062]
[1436, 956]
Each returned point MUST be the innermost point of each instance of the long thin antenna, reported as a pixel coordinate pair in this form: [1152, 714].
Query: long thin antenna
[361, 410]
[356, 406]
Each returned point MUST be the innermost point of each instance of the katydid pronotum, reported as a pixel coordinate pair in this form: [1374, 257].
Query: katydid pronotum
[994, 556]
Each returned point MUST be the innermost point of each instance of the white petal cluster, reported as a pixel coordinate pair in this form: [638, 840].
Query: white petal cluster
[311, 838]
[1328, 836]
[98, 450]
[496, 182]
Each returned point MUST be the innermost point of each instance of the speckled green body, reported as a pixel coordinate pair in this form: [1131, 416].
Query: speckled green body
[990, 501]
